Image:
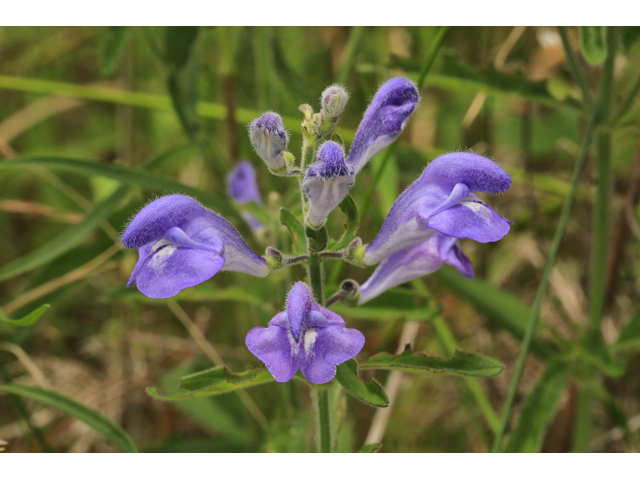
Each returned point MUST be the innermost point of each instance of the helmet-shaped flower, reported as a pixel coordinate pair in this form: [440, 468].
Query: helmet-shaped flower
[181, 244]
[305, 336]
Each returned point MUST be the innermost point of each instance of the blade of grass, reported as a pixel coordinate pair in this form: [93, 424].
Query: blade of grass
[546, 274]
[576, 71]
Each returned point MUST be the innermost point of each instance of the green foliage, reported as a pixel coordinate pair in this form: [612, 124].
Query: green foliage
[296, 229]
[593, 44]
[394, 304]
[539, 409]
[350, 209]
[214, 381]
[95, 420]
[370, 392]
[28, 319]
[470, 364]
[112, 47]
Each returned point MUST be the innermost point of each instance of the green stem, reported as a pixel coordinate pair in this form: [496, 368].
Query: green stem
[600, 236]
[542, 288]
[576, 72]
[324, 426]
[431, 56]
[352, 47]
[315, 277]
[449, 345]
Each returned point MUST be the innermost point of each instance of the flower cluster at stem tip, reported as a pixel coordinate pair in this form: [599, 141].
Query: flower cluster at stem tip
[182, 243]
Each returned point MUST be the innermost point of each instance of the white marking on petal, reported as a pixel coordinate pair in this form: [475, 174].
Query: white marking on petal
[479, 209]
[160, 255]
[309, 341]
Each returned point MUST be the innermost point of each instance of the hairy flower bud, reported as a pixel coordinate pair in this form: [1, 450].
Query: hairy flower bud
[333, 101]
[269, 138]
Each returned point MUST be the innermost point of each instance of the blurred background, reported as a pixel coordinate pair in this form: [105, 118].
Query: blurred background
[96, 121]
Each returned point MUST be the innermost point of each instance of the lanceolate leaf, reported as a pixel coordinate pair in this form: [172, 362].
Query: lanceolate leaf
[95, 420]
[370, 393]
[350, 209]
[129, 176]
[593, 43]
[296, 229]
[112, 47]
[470, 364]
[502, 309]
[28, 319]
[214, 381]
[539, 410]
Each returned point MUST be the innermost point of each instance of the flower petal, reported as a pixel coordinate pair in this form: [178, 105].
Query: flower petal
[471, 218]
[272, 346]
[242, 185]
[325, 348]
[383, 121]
[171, 268]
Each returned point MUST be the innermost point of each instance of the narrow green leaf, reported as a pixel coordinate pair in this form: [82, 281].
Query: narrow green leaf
[371, 448]
[112, 47]
[179, 42]
[28, 319]
[350, 209]
[394, 304]
[370, 393]
[318, 239]
[470, 364]
[630, 335]
[95, 420]
[130, 176]
[66, 241]
[593, 44]
[214, 381]
[502, 309]
[296, 229]
[539, 410]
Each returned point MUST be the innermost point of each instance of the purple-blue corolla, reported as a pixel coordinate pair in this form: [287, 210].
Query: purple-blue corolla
[181, 244]
[243, 188]
[383, 121]
[415, 262]
[305, 336]
[441, 200]
[327, 182]
[269, 138]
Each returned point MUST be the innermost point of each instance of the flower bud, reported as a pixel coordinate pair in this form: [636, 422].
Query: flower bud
[269, 138]
[333, 101]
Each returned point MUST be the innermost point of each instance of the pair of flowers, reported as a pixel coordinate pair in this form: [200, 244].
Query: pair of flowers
[182, 244]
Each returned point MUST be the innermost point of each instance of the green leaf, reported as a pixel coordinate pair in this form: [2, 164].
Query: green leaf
[178, 43]
[28, 319]
[112, 47]
[457, 75]
[350, 209]
[539, 410]
[66, 241]
[593, 44]
[470, 364]
[394, 304]
[130, 176]
[95, 420]
[318, 239]
[502, 309]
[630, 335]
[214, 381]
[370, 393]
[296, 229]
[371, 448]
[205, 292]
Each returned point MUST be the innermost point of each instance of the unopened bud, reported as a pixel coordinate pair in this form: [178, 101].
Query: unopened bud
[333, 101]
[269, 138]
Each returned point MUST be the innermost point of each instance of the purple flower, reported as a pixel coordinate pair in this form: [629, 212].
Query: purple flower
[269, 138]
[304, 336]
[181, 244]
[327, 182]
[242, 185]
[243, 188]
[383, 121]
[415, 262]
[441, 201]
